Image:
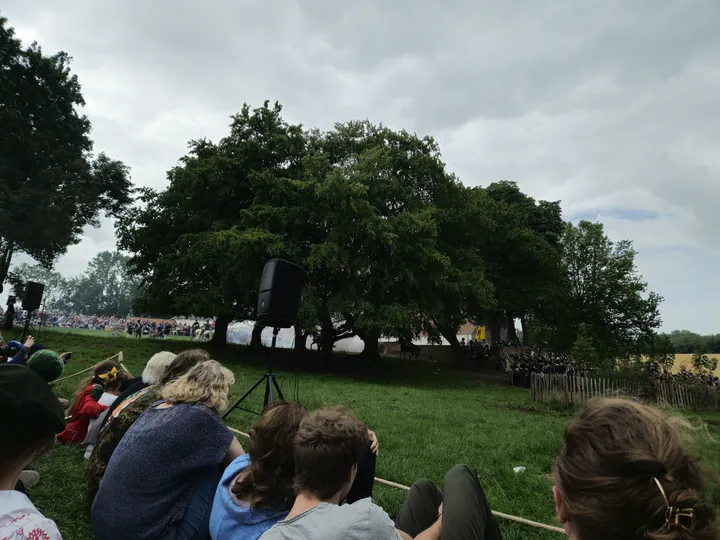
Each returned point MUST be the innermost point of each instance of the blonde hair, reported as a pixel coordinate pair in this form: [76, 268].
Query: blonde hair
[207, 383]
[621, 466]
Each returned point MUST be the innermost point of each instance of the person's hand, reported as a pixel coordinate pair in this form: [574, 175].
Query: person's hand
[374, 444]
[29, 342]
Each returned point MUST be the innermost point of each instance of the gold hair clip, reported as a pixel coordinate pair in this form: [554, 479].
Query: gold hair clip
[672, 514]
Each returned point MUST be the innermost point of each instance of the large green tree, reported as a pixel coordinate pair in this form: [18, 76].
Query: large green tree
[505, 249]
[379, 193]
[523, 256]
[364, 220]
[606, 293]
[51, 185]
[191, 242]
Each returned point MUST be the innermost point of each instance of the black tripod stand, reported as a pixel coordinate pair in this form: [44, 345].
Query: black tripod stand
[271, 384]
[28, 326]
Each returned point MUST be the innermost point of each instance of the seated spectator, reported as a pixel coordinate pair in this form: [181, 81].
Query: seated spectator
[110, 392]
[256, 490]
[123, 416]
[162, 477]
[84, 407]
[623, 473]
[9, 349]
[154, 369]
[30, 416]
[23, 352]
[328, 446]
[46, 363]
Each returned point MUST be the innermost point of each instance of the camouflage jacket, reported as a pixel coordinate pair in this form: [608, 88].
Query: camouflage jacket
[117, 425]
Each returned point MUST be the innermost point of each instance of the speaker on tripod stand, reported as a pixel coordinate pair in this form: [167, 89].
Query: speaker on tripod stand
[31, 302]
[281, 287]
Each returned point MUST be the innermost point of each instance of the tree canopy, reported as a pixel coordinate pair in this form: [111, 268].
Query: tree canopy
[47, 166]
[393, 244]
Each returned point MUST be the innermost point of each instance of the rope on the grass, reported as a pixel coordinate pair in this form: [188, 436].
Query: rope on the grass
[120, 361]
[502, 515]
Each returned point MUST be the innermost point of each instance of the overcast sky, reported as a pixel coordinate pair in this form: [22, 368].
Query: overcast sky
[611, 107]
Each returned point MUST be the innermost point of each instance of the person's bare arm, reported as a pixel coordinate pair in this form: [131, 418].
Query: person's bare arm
[235, 450]
[431, 533]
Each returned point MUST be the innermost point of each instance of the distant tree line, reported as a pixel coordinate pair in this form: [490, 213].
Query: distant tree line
[687, 342]
[106, 287]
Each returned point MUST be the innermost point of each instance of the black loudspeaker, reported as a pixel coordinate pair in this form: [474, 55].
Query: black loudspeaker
[33, 295]
[280, 289]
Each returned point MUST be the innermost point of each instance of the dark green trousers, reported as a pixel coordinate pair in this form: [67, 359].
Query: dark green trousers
[466, 512]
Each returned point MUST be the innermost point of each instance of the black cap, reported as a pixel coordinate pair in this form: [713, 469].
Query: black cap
[27, 397]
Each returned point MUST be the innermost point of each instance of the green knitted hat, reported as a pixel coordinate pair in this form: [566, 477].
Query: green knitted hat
[47, 364]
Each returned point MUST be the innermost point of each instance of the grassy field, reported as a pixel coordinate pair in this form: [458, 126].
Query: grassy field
[427, 419]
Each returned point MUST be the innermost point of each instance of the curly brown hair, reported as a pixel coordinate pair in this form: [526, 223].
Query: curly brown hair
[613, 452]
[182, 363]
[328, 444]
[268, 480]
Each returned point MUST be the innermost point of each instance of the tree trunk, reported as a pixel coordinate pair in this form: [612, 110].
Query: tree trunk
[495, 327]
[458, 352]
[512, 333]
[255, 340]
[221, 326]
[525, 330]
[371, 350]
[300, 340]
[327, 341]
[5, 258]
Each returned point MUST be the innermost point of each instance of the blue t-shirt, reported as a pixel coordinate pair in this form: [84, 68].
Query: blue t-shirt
[231, 520]
[151, 475]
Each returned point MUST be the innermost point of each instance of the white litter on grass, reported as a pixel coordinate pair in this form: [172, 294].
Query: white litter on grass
[519, 470]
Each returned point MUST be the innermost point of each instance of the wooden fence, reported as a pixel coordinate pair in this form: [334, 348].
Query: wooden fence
[573, 390]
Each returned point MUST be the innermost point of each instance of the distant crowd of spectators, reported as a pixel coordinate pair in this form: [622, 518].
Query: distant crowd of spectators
[684, 376]
[134, 327]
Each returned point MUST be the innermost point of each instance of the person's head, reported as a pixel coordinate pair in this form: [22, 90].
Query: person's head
[103, 373]
[623, 473]
[182, 363]
[269, 479]
[30, 416]
[113, 384]
[328, 446]
[46, 363]
[156, 366]
[207, 383]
